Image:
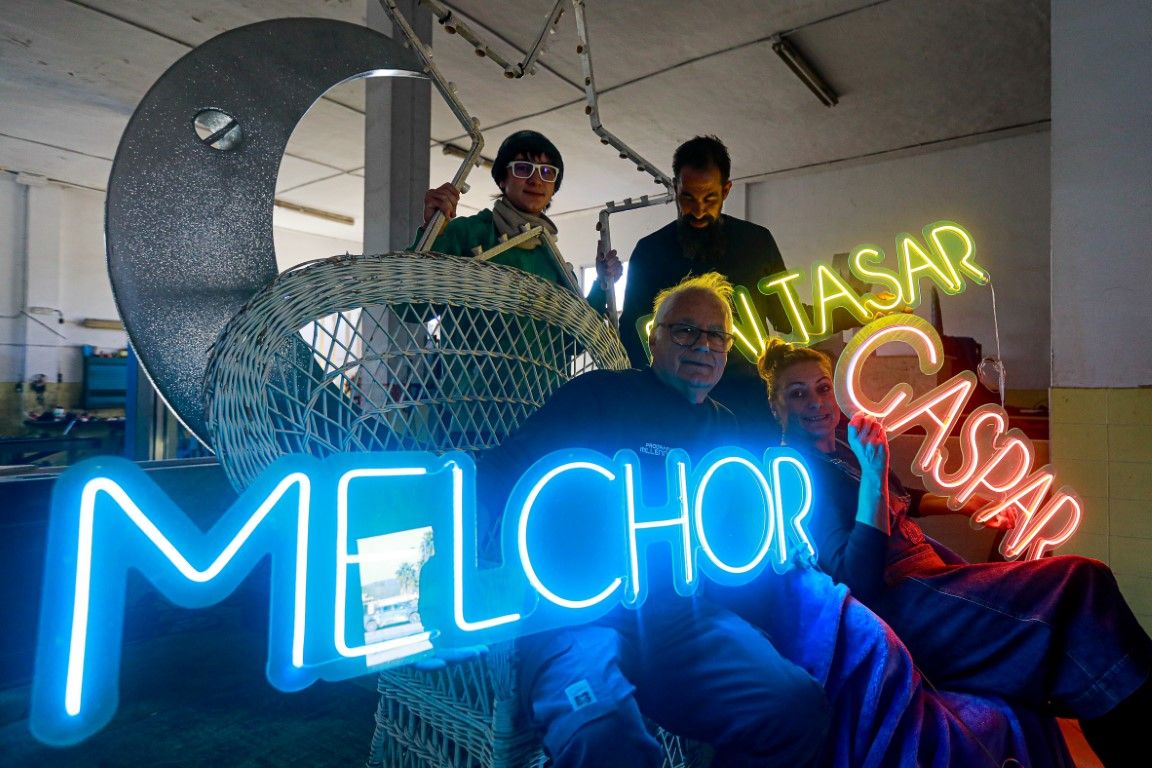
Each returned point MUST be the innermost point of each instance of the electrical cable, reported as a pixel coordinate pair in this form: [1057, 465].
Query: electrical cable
[43, 324]
[996, 335]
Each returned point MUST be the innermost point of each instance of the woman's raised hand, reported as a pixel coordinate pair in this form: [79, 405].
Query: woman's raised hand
[869, 441]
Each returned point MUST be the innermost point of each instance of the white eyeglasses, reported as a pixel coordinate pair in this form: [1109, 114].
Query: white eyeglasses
[523, 169]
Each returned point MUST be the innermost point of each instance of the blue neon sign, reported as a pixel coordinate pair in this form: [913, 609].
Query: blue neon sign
[573, 544]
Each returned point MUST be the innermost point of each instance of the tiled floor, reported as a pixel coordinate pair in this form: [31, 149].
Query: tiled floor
[197, 697]
[200, 699]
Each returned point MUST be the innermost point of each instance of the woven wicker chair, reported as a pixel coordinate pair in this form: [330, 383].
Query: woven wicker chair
[407, 352]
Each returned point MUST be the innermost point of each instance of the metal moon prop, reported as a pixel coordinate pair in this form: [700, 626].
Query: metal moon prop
[188, 223]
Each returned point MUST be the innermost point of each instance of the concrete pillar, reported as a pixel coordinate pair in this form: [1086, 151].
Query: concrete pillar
[1101, 164]
[43, 329]
[397, 134]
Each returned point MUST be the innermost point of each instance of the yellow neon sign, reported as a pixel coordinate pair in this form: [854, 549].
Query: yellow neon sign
[946, 257]
[831, 292]
[860, 263]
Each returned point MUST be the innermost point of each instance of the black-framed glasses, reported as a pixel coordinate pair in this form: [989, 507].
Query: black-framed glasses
[523, 169]
[686, 334]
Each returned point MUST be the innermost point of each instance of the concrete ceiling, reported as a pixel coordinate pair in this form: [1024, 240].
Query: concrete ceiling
[911, 75]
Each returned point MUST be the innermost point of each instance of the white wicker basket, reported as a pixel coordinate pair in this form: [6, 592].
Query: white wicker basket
[414, 352]
[402, 351]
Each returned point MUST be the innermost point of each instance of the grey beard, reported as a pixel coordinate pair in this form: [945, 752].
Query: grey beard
[705, 245]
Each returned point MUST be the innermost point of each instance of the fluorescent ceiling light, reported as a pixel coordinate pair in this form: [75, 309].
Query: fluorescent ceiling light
[338, 218]
[456, 150]
[803, 70]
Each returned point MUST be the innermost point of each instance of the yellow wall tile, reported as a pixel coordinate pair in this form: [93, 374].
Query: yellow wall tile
[1079, 406]
[1086, 442]
[1088, 545]
[1130, 486]
[1130, 442]
[1089, 478]
[1137, 591]
[1097, 517]
[1130, 517]
[1130, 406]
[1130, 480]
[1131, 556]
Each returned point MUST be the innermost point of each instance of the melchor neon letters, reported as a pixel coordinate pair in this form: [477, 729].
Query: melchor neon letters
[574, 541]
[995, 462]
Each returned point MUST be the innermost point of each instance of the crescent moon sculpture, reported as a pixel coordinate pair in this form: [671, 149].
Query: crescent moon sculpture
[188, 220]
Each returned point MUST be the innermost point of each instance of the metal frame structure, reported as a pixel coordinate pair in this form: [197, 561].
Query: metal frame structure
[454, 25]
[472, 156]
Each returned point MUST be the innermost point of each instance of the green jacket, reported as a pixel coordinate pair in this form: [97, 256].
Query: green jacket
[472, 392]
[464, 233]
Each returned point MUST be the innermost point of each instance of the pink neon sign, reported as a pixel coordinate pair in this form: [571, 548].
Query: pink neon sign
[995, 462]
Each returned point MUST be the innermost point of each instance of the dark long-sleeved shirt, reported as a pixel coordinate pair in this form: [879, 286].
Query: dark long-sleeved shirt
[658, 262]
[605, 411]
[852, 553]
[608, 411]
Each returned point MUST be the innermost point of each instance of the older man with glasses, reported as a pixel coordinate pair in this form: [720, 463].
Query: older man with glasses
[686, 663]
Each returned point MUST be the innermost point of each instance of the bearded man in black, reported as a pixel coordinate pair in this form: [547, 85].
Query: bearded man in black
[704, 239]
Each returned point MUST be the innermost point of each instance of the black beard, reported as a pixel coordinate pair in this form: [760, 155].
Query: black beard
[706, 244]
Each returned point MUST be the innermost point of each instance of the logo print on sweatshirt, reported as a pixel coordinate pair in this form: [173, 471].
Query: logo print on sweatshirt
[580, 695]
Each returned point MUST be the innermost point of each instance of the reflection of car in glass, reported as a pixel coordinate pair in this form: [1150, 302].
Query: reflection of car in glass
[386, 613]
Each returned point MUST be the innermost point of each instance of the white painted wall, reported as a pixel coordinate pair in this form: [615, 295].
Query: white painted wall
[1101, 194]
[52, 256]
[85, 288]
[52, 264]
[294, 247]
[998, 190]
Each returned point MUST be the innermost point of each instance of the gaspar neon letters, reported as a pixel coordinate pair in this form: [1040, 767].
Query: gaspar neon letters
[995, 464]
